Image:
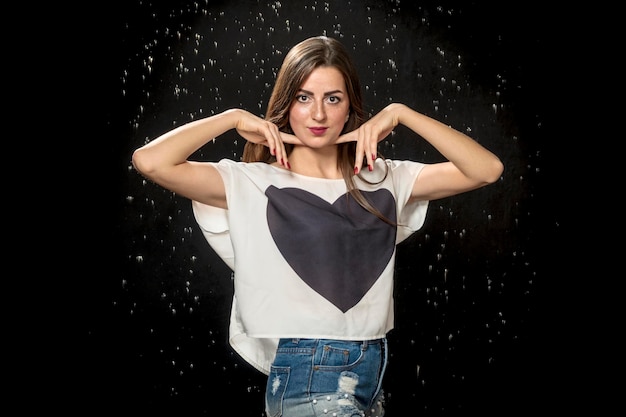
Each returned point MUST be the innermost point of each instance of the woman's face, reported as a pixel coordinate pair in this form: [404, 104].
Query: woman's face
[320, 108]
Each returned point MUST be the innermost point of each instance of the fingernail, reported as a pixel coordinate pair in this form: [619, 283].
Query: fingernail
[282, 161]
[356, 170]
[288, 165]
[373, 157]
[369, 166]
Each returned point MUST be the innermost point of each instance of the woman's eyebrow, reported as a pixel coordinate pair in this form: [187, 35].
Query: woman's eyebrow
[329, 93]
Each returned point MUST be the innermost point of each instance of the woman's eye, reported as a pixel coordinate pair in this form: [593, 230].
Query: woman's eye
[333, 99]
[302, 98]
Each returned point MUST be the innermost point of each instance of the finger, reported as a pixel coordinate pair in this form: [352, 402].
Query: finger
[358, 156]
[348, 137]
[372, 151]
[368, 140]
[284, 159]
[276, 142]
[288, 138]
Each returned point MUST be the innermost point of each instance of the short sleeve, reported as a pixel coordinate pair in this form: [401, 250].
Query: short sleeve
[411, 213]
[213, 222]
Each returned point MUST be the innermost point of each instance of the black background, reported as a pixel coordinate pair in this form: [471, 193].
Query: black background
[479, 314]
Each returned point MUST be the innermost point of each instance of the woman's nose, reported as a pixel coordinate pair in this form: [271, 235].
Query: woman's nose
[318, 111]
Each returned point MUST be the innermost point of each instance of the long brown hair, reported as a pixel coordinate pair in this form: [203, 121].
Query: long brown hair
[300, 61]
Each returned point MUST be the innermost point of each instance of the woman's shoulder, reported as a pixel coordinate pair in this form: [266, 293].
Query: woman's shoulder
[241, 165]
[388, 165]
[253, 170]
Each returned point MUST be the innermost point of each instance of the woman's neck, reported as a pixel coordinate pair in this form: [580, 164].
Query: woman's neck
[320, 163]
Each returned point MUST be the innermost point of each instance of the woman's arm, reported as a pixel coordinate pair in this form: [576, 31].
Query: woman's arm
[164, 160]
[469, 165]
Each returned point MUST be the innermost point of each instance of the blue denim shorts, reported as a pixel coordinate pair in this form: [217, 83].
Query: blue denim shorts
[321, 377]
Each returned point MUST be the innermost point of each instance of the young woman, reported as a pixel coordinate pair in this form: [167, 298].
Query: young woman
[309, 221]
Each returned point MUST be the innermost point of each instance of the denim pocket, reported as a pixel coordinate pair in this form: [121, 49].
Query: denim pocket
[340, 356]
[275, 390]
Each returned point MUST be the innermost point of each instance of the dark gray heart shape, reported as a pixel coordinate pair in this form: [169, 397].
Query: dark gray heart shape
[338, 249]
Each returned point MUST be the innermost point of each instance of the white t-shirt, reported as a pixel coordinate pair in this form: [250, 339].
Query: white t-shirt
[308, 261]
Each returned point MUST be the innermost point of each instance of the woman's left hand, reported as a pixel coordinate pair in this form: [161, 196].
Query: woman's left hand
[370, 133]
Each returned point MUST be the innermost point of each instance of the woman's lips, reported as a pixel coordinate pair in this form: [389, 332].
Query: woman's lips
[318, 131]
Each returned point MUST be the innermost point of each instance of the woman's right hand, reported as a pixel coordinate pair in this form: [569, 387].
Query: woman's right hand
[257, 130]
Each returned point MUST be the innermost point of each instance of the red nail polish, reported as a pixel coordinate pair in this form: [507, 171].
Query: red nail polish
[356, 170]
[369, 166]
[282, 161]
[373, 157]
[288, 165]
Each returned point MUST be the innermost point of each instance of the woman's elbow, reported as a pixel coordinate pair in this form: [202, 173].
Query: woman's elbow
[494, 172]
[141, 162]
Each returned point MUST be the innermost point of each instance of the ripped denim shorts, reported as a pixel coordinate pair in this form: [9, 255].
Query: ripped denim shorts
[322, 377]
